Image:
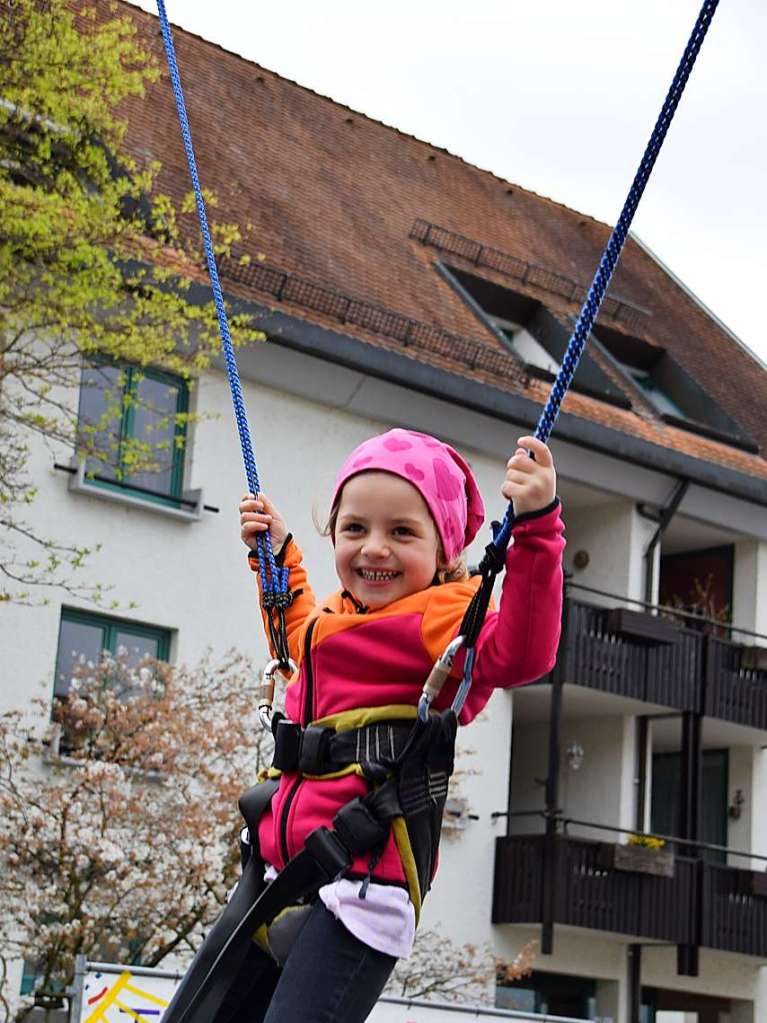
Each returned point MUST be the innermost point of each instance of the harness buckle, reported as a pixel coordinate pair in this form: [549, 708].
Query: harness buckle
[287, 745]
[313, 752]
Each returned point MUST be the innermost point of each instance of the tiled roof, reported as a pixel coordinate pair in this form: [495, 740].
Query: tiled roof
[334, 199]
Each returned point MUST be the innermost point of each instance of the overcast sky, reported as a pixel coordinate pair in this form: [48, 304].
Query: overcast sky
[560, 97]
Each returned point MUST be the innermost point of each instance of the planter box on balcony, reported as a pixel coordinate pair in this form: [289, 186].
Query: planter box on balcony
[754, 657]
[641, 627]
[638, 859]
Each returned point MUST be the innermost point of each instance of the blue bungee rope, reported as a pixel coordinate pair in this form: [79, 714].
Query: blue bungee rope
[275, 595]
[495, 553]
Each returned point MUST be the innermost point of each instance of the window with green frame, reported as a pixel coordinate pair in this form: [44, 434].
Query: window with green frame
[84, 636]
[29, 977]
[124, 407]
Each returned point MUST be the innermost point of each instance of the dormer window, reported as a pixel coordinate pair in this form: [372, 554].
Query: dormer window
[524, 345]
[653, 391]
[532, 332]
[674, 394]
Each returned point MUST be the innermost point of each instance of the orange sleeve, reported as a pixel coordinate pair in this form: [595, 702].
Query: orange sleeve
[304, 602]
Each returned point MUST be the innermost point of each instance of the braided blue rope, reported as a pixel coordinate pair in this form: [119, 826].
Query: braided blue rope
[611, 254]
[274, 580]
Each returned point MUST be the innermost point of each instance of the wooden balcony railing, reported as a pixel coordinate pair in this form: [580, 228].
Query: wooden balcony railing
[670, 661]
[708, 904]
[736, 689]
[734, 910]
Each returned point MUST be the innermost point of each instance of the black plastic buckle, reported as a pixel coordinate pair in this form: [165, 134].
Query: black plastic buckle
[287, 745]
[328, 850]
[313, 755]
[358, 829]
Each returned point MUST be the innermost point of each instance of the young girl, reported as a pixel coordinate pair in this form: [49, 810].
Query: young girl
[404, 508]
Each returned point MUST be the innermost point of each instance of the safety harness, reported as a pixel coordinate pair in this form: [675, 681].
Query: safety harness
[407, 764]
[408, 786]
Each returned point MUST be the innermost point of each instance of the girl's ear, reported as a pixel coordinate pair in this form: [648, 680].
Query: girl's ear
[452, 571]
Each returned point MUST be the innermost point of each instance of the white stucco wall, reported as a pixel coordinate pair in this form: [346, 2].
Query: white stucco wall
[615, 537]
[749, 598]
[739, 830]
[601, 791]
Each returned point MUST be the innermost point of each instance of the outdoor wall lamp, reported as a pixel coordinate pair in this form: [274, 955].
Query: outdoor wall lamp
[735, 809]
[574, 753]
[581, 560]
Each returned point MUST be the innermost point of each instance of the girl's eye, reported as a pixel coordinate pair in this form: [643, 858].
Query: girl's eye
[403, 531]
[352, 527]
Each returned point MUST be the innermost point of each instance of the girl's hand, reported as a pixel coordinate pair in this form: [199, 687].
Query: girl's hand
[257, 514]
[530, 483]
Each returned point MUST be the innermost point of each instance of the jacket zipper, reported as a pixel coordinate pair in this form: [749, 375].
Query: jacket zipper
[309, 694]
[308, 702]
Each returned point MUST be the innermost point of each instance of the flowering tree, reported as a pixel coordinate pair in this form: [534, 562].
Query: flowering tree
[123, 846]
[442, 970]
[94, 263]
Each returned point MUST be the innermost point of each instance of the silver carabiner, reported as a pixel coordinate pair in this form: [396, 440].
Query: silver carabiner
[437, 676]
[265, 691]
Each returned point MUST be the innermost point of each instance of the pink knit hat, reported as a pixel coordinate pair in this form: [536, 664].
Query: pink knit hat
[438, 472]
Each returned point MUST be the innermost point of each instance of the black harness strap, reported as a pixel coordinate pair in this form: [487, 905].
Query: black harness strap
[318, 750]
[360, 825]
[419, 762]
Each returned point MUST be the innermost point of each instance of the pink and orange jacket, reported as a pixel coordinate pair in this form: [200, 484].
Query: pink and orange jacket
[351, 665]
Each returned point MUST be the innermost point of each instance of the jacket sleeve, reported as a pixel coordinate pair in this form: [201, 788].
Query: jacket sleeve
[518, 642]
[304, 602]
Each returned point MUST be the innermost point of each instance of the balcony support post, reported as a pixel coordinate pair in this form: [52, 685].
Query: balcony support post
[550, 866]
[634, 977]
[640, 781]
[692, 770]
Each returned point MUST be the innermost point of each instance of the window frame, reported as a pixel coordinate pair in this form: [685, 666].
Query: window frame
[110, 626]
[175, 497]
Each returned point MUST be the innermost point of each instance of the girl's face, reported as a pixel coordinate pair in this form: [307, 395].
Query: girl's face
[386, 542]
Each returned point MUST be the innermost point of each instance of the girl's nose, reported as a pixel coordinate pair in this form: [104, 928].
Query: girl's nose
[376, 547]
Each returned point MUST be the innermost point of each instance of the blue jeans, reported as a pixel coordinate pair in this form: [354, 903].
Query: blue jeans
[329, 977]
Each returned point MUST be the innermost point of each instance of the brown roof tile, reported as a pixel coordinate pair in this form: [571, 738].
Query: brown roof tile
[332, 196]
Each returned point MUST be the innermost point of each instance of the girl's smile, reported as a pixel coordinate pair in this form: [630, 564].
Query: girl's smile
[385, 539]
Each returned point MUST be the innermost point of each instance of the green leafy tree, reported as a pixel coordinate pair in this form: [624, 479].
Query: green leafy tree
[93, 260]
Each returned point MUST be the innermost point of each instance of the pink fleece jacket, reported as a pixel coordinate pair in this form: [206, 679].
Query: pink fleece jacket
[349, 660]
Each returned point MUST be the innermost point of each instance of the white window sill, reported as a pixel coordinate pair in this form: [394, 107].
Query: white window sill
[79, 483]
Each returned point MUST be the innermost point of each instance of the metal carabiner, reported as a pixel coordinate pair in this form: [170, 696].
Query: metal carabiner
[463, 689]
[265, 691]
[437, 676]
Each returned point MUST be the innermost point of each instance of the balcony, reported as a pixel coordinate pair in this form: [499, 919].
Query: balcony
[702, 904]
[663, 656]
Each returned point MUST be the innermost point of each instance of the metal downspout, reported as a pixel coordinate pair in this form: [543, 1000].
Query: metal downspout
[663, 518]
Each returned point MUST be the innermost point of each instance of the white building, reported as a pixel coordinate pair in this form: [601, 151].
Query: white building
[401, 286]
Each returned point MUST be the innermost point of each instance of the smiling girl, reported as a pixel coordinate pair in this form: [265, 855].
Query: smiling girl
[404, 508]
